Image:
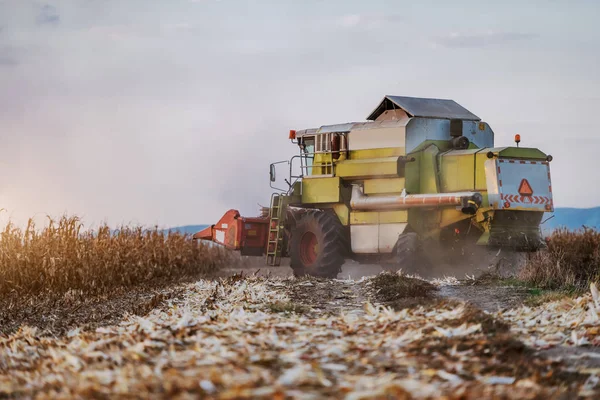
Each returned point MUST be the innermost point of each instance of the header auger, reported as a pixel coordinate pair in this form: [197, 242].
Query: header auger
[419, 174]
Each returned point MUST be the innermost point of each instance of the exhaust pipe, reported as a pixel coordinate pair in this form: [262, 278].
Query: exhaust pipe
[468, 201]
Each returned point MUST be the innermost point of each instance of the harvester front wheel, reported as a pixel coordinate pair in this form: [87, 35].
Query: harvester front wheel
[317, 245]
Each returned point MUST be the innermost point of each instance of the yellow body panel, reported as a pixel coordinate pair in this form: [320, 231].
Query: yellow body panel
[378, 217]
[457, 173]
[382, 186]
[480, 182]
[321, 190]
[463, 172]
[428, 168]
[368, 168]
[376, 153]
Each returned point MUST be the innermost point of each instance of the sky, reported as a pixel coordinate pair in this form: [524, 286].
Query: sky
[170, 112]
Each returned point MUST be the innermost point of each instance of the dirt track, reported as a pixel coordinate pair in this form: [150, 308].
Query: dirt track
[488, 298]
[336, 296]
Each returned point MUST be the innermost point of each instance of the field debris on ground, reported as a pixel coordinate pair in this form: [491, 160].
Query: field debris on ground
[568, 321]
[446, 281]
[389, 287]
[222, 339]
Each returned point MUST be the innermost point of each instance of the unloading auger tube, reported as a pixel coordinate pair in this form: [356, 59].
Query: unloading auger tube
[468, 201]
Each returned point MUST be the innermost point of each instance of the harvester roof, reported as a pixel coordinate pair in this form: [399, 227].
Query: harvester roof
[422, 107]
[412, 106]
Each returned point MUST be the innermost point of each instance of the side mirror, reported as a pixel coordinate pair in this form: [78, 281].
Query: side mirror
[272, 173]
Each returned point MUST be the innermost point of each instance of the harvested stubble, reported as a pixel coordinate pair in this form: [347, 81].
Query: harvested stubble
[572, 260]
[220, 340]
[64, 256]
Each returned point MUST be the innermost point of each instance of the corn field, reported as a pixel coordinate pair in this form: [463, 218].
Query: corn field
[64, 256]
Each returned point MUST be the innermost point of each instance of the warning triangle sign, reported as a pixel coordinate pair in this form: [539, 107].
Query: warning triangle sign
[525, 188]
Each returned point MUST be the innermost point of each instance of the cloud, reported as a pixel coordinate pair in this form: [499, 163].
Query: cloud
[6, 60]
[460, 40]
[8, 57]
[48, 15]
[368, 21]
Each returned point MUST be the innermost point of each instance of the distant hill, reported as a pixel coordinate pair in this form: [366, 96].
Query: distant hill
[573, 218]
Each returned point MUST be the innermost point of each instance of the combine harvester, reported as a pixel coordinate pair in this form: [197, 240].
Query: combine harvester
[422, 176]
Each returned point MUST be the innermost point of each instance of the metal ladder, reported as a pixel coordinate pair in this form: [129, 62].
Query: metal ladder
[276, 226]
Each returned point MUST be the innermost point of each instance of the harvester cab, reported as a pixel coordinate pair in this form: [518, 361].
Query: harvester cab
[419, 172]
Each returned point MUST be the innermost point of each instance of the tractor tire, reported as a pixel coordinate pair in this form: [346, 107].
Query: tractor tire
[406, 253]
[317, 245]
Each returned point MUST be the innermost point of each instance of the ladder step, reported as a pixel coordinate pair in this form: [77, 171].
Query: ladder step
[276, 228]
